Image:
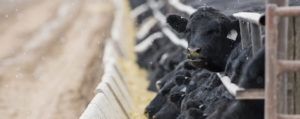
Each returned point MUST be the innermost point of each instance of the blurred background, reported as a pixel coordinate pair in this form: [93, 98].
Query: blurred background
[50, 56]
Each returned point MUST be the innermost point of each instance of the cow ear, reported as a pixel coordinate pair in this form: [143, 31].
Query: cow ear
[177, 22]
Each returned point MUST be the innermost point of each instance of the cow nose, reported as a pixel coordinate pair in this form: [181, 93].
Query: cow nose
[194, 52]
[146, 113]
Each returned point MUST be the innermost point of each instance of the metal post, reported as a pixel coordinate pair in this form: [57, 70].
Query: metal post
[282, 54]
[271, 97]
[255, 38]
[245, 36]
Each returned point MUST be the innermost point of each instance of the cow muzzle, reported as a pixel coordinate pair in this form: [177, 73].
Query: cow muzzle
[196, 58]
[193, 53]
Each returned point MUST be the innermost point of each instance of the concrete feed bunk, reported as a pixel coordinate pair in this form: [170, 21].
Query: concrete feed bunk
[122, 93]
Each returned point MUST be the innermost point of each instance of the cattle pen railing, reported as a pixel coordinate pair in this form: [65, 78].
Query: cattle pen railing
[275, 66]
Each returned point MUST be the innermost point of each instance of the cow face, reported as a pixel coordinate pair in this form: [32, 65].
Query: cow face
[211, 36]
[155, 105]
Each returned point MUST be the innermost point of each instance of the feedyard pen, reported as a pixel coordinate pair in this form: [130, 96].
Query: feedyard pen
[113, 98]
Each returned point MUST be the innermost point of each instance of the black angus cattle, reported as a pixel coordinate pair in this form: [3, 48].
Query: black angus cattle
[186, 96]
[171, 109]
[187, 92]
[209, 93]
[236, 62]
[213, 50]
[145, 58]
[174, 86]
[164, 61]
[211, 37]
[254, 72]
[252, 77]
[167, 83]
[159, 58]
[205, 99]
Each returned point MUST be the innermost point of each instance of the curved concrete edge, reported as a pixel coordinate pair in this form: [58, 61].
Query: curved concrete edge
[112, 99]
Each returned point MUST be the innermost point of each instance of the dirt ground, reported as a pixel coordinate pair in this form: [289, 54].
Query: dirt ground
[50, 56]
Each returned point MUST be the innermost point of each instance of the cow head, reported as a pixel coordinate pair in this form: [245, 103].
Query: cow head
[211, 36]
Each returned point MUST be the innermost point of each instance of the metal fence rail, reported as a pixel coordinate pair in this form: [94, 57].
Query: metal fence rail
[275, 66]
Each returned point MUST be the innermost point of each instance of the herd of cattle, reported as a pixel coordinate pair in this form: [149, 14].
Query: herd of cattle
[186, 79]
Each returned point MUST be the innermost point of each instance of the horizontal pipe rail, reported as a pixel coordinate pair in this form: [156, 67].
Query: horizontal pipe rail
[286, 116]
[253, 94]
[182, 7]
[288, 11]
[251, 17]
[162, 19]
[146, 26]
[147, 43]
[288, 65]
[139, 10]
[231, 87]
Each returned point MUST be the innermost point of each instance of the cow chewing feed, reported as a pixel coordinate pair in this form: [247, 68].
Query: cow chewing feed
[186, 84]
[211, 37]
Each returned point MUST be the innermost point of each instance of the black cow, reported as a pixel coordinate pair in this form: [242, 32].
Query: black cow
[184, 85]
[173, 87]
[211, 37]
[163, 62]
[236, 62]
[190, 92]
[254, 72]
[205, 99]
[166, 84]
[253, 77]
